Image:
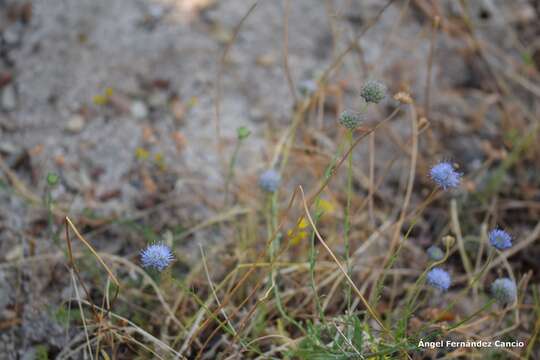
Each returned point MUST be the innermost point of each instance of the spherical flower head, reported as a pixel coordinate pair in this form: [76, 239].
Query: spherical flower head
[500, 239]
[439, 279]
[269, 180]
[435, 253]
[308, 87]
[373, 91]
[350, 120]
[444, 175]
[157, 256]
[504, 291]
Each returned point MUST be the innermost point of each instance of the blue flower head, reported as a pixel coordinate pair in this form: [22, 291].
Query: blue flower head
[373, 91]
[444, 175]
[157, 256]
[504, 291]
[308, 87]
[439, 279]
[435, 253]
[500, 239]
[269, 180]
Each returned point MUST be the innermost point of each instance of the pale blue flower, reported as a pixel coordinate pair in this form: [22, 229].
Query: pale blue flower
[157, 256]
[435, 253]
[504, 291]
[444, 175]
[500, 239]
[439, 279]
[269, 180]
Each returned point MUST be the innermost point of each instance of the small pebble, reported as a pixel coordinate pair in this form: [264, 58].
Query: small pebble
[257, 114]
[308, 87]
[221, 34]
[156, 11]
[8, 147]
[158, 99]
[9, 98]
[14, 253]
[266, 60]
[75, 124]
[12, 35]
[178, 110]
[139, 110]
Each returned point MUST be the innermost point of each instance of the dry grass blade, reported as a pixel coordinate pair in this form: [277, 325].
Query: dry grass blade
[286, 51]
[364, 301]
[83, 318]
[353, 44]
[94, 252]
[283, 218]
[408, 192]
[213, 289]
[131, 266]
[219, 80]
[219, 218]
[137, 329]
[456, 228]
[370, 310]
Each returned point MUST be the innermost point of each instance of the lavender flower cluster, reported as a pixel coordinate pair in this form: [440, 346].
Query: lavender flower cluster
[504, 290]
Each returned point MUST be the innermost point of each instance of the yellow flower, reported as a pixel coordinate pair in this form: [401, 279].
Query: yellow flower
[103, 99]
[100, 99]
[298, 234]
[298, 237]
[192, 102]
[159, 160]
[326, 206]
[141, 154]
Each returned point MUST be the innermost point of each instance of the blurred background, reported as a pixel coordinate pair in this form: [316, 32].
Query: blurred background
[123, 114]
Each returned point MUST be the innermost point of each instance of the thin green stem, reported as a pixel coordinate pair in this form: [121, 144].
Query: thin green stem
[415, 291]
[347, 225]
[230, 171]
[312, 264]
[487, 305]
[274, 248]
[393, 258]
[49, 203]
[461, 294]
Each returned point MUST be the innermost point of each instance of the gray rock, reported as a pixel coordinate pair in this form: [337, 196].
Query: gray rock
[75, 124]
[38, 327]
[7, 346]
[5, 291]
[29, 354]
[13, 34]
[158, 99]
[257, 114]
[8, 101]
[156, 11]
[139, 110]
[8, 147]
